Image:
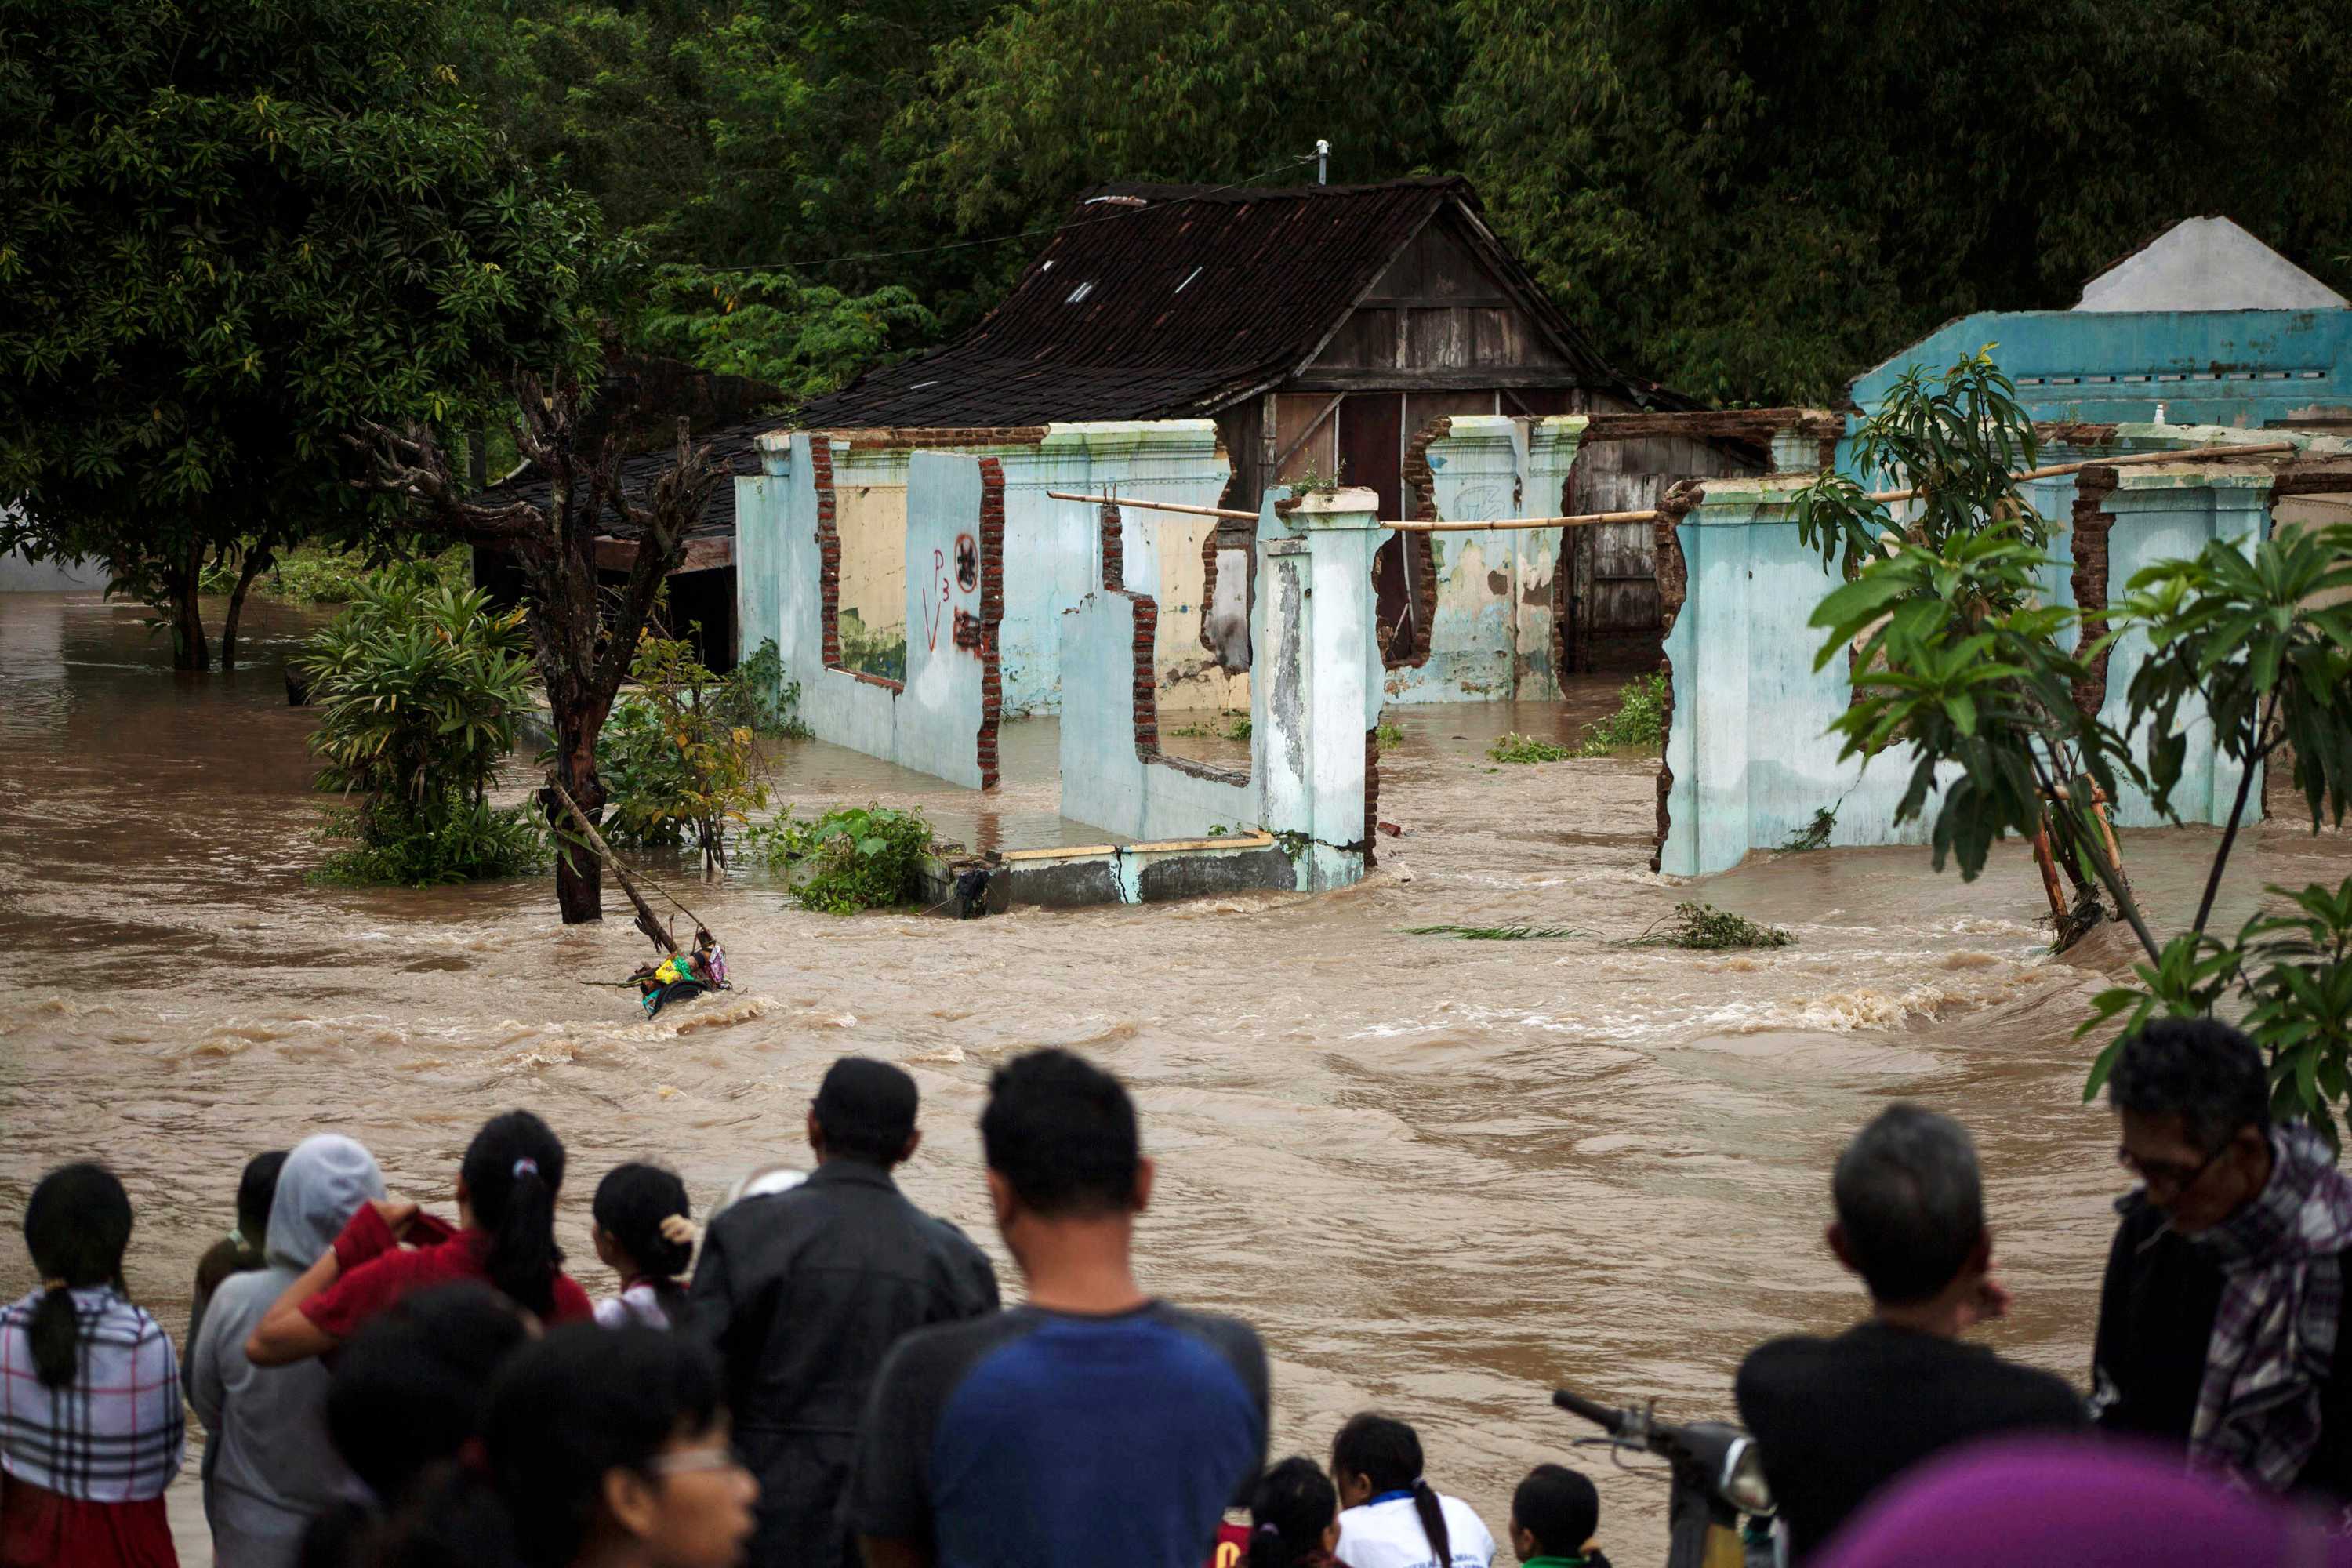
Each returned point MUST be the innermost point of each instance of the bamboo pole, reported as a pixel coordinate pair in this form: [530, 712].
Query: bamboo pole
[1158, 506]
[647, 922]
[1589, 518]
[2126, 459]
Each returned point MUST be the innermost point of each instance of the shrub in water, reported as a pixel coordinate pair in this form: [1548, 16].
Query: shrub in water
[1640, 719]
[861, 858]
[420, 686]
[1514, 747]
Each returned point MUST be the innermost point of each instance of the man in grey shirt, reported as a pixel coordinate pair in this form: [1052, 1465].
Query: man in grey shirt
[803, 1293]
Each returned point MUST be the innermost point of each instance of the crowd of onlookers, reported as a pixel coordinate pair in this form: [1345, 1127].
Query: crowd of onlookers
[824, 1374]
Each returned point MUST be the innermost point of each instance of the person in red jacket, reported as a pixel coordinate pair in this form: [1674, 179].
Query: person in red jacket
[505, 1237]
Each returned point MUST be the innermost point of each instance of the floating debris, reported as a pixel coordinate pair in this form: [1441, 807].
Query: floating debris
[1497, 933]
[1706, 928]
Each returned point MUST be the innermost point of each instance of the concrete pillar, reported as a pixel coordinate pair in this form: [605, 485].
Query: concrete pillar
[1316, 687]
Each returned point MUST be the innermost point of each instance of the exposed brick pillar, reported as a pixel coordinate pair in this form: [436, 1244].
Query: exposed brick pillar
[1114, 550]
[992, 615]
[2092, 522]
[828, 549]
[1681, 498]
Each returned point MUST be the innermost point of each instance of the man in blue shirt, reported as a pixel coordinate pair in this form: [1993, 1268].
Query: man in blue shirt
[1093, 1426]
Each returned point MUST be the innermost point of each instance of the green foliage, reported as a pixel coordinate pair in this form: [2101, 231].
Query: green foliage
[804, 338]
[675, 771]
[1388, 735]
[1640, 720]
[2250, 638]
[1755, 201]
[1960, 659]
[755, 696]
[317, 575]
[1514, 747]
[420, 687]
[1940, 615]
[860, 857]
[235, 230]
[1707, 928]
[1814, 835]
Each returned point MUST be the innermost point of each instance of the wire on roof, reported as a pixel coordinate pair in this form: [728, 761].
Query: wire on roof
[1140, 207]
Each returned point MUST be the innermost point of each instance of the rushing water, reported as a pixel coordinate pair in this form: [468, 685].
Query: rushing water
[1440, 1176]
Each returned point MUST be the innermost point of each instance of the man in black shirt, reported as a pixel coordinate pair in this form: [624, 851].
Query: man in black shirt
[2231, 1255]
[1834, 1420]
[803, 1293]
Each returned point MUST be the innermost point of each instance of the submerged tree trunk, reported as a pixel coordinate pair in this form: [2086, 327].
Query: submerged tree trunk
[578, 871]
[182, 581]
[257, 561]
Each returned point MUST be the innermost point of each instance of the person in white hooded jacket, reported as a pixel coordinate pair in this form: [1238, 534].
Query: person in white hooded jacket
[277, 1469]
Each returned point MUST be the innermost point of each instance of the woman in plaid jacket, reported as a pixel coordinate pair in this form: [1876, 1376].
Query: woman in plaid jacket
[90, 1425]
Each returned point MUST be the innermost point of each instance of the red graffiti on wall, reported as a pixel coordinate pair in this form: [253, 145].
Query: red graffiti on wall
[934, 603]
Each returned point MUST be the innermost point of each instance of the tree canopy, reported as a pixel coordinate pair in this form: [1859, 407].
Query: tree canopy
[229, 230]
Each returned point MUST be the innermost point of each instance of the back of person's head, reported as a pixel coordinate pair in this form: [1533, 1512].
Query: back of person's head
[1290, 1513]
[865, 1110]
[631, 1202]
[1061, 1132]
[1386, 1452]
[2200, 1069]
[564, 1414]
[1559, 1508]
[256, 1191]
[1910, 1202]
[410, 1390]
[326, 1178]
[77, 1226]
[513, 1170]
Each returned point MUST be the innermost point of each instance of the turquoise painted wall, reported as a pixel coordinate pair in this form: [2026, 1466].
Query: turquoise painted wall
[1748, 747]
[2240, 368]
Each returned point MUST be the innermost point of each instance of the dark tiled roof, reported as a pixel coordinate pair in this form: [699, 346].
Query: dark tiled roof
[1174, 300]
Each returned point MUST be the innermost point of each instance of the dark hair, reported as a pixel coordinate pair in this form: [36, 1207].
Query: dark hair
[631, 1202]
[410, 1389]
[1061, 1131]
[1387, 1453]
[512, 1171]
[1911, 1201]
[866, 1109]
[1293, 1506]
[77, 1226]
[2200, 1069]
[256, 1193]
[1559, 1508]
[564, 1412]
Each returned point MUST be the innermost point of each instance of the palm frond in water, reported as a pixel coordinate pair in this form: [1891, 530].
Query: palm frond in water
[1497, 933]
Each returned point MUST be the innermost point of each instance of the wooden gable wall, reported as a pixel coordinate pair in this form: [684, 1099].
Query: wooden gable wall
[1438, 309]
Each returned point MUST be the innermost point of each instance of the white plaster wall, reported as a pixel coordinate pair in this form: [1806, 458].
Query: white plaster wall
[2207, 264]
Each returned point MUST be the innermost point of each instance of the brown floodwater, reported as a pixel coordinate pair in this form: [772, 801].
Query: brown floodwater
[1440, 1176]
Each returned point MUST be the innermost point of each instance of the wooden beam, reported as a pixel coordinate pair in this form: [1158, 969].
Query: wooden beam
[1155, 505]
[2222, 453]
[1470, 378]
[1303, 438]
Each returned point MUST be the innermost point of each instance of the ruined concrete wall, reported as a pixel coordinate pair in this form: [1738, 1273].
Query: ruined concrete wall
[943, 719]
[1748, 759]
[20, 575]
[1051, 542]
[1486, 598]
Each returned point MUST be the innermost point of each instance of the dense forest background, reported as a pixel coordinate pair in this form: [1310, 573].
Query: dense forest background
[1750, 201]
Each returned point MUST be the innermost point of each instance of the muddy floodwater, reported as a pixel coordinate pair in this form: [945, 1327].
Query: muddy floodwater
[1440, 1176]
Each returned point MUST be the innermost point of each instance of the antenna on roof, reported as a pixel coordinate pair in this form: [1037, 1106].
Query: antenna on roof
[1322, 162]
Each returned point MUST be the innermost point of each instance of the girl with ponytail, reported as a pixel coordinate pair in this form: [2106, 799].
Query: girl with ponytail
[1391, 1517]
[645, 1232]
[1293, 1517]
[505, 1237]
[91, 1431]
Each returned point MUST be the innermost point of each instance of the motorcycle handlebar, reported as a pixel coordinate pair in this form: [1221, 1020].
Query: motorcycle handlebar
[1609, 1421]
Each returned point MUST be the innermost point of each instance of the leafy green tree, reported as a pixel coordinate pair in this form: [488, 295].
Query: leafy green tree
[805, 338]
[674, 767]
[1755, 202]
[233, 230]
[420, 688]
[1957, 658]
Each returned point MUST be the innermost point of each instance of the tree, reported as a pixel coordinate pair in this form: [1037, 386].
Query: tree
[420, 688]
[582, 639]
[1755, 202]
[1959, 659]
[234, 230]
[678, 767]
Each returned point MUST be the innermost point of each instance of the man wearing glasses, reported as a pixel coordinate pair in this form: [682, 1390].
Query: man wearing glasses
[2218, 1319]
